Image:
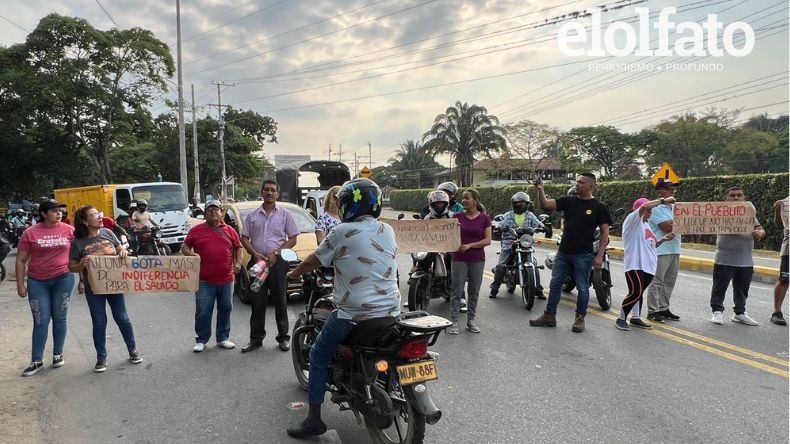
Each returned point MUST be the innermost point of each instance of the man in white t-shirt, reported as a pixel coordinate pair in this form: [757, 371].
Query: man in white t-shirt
[640, 258]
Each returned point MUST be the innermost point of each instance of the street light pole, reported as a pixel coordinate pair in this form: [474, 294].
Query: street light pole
[182, 146]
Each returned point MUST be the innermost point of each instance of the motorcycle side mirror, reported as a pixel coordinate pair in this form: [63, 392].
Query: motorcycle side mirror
[499, 217]
[289, 255]
[401, 216]
[416, 216]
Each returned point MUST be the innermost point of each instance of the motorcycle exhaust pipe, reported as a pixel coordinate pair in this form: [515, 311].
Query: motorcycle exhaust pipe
[424, 404]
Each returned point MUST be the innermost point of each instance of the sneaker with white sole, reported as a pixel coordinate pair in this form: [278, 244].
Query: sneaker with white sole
[620, 324]
[453, 329]
[33, 368]
[101, 366]
[464, 309]
[743, 318]
[135, 357]
[226, 344]
[717, 318]
[58, 361]
[199, 347]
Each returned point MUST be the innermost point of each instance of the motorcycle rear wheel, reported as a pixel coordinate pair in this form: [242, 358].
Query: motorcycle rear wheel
[602, 290]
[528, 290]
[419, 293]
[408, 426]
[300, 354]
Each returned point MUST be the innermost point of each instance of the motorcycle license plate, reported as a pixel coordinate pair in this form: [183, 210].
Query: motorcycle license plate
[418, 372]
[170, 240]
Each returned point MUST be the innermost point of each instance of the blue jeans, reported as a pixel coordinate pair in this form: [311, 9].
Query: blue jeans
[330, 337]
[564, 264]
[49, 300]
[205, 297]
[97, 307]
[501, 268]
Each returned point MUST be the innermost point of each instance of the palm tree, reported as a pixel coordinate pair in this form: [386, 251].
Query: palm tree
[414, 165]
[465, 132]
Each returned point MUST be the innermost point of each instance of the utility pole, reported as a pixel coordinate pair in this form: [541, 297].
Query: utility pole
[221, 136]
[329, 157]
[182, 144]
[356, 165]
[370, 155]
[340, 153]
[195, 147]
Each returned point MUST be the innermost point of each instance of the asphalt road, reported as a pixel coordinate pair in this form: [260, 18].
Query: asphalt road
[688, 381]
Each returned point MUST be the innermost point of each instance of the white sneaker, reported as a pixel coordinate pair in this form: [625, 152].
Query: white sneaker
[744, 319]
[717, 318]
[463, 306]
[226, 344]
[199, 347]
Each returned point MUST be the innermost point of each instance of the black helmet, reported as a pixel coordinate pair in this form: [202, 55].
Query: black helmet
[520, 197]
[359, 197]
[142, 203]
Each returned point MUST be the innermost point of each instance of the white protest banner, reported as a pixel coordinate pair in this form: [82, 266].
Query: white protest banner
[714, 217]
[432, 235]
[148, 274]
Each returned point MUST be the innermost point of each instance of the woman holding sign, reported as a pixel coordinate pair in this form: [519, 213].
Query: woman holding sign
[90, 239]
[469, 261]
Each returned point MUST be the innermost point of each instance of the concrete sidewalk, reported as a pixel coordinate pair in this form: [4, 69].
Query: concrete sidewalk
[765, 269]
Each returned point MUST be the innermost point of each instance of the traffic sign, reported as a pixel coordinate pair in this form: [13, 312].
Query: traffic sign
[665, 172]
[365, 172]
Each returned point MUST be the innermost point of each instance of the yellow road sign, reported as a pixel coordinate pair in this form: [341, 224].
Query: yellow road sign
[665, 172]
[365, 172]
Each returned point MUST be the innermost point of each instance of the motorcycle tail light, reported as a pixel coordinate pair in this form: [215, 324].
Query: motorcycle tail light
[382, 366]
[414, 349]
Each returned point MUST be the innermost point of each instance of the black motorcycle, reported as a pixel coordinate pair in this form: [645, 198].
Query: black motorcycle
[380, 370]
[149, 243]
[429, 279]
[5, 248]
[522, 268]
[320, 283]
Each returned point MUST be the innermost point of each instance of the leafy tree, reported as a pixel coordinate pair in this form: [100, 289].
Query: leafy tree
[601, 148]
[94, 84]
[466, 132]
[414, 166]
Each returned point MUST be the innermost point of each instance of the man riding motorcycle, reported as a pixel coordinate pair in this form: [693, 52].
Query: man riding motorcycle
[451, 189]
[362, 250]
[518, 217]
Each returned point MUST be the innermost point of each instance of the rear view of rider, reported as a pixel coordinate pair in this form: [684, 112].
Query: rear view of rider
[362, 250]
[518, 217]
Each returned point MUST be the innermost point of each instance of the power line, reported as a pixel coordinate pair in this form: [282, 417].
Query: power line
[107, 13]
[288, 32]
[266, 8]
[11, 22]
[319, 36]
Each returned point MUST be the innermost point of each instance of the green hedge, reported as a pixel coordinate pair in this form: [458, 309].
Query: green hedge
[761, 189]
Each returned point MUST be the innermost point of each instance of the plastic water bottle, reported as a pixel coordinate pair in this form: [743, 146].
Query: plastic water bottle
[261, 271]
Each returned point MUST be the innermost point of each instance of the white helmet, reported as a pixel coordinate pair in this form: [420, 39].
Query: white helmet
[448, 187]
[520, 197]
[550, 260]
[439, 203]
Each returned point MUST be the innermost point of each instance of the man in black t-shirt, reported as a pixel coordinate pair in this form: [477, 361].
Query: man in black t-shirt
[581, 215]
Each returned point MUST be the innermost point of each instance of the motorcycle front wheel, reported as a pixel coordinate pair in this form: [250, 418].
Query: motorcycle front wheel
[408, 425]
[300, 353]
[568, 285]
[528, 290]
[419, 293]
[603, 292]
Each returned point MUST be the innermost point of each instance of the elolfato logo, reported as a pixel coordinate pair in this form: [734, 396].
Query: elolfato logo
[620, 39]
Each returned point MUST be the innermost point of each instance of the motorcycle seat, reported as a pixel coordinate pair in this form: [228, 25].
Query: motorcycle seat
[371, 332]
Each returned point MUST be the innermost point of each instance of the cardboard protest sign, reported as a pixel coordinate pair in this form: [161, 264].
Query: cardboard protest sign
[714, 218]
[432, 235]
[149, 274]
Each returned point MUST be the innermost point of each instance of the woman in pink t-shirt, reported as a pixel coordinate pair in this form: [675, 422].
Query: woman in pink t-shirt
[43, 256]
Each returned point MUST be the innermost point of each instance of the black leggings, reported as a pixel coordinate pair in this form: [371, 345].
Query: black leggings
[637, 281]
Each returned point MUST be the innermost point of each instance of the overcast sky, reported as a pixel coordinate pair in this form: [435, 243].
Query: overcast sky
[349, 72]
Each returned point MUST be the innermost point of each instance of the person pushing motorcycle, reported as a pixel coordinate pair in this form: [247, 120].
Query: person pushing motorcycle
[362, 250]
[518, 217]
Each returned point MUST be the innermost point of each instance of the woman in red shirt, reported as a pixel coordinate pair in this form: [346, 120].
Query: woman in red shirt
[43, 256]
